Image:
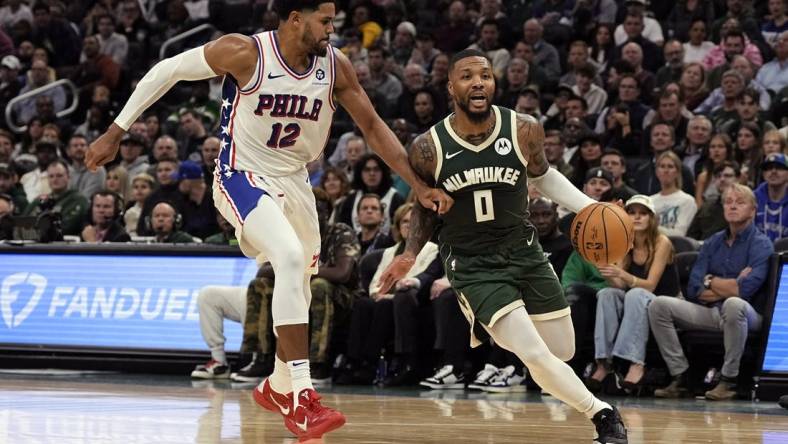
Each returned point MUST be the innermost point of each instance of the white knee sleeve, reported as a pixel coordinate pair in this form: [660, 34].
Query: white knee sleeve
[559, 335]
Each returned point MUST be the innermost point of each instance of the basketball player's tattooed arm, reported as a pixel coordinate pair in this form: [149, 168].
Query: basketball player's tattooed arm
[379, 136]
[551, 183]
[423, 221]
[230, 54]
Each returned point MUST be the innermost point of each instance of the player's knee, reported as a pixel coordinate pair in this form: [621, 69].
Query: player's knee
[292, 261]
[565, 350]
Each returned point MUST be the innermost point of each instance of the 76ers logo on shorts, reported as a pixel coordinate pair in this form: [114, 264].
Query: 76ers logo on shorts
[320, 74]
[503, 146]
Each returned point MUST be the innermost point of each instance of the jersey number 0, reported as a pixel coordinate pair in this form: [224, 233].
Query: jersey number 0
[483, 204]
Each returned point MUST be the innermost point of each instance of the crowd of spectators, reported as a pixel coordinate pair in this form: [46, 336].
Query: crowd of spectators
[674, 102]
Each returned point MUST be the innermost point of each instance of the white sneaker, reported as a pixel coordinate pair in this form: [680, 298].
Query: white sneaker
[484, 377]
[211, 370]
[507, 381]
[445, 379]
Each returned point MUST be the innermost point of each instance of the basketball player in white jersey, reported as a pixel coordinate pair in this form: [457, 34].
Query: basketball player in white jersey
[279, 94]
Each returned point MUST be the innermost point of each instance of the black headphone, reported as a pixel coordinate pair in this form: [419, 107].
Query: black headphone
[118, 208]
[177, 222]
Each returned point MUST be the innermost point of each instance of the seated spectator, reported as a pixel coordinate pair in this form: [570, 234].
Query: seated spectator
[6, 214]
[141, 187]
[105, 219]
[95, 68]
[721, 296]
[773, 142]
[554, 149]
[771, 217]
[584, 87]
[193, 134]
[166, 178]
[720, 106]
[209, 152]
[674, 208]
[772, 29]
[710, 216]
[669, 111]
[370, 212]
[111, 43]
[622, 124]
[71, 205]
[118, 181]
[720, 150]
[39, 76]
[10, 83]
[424, 110]
[720, 58]
[131, 149]
[334, 289]
[224, 237]
[335, 183]
[597, 185]
[354, 148]
[774, 75]
[590, 155]
[555, 244]
[692, 85]
[199, 212]
[621, 328]
[370, 175]
[578, 56]
[216, 303]
[747, 111]
[694, 150]
[9, 185]
[56, 34]
[489, 43]
[378, 318]
[35, 181]
[645, 179]
[84, 181]
[165, 223]
[614, 162]
[748, 153]
[697, 48]
[646, 28]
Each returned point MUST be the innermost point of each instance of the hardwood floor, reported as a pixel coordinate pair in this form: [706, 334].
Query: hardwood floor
[123, 409]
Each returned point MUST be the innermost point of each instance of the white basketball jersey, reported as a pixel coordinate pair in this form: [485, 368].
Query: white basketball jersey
[281, 119]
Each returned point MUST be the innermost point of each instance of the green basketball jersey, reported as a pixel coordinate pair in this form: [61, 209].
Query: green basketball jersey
[488, 184]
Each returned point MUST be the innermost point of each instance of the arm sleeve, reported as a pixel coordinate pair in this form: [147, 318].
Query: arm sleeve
[188, 65]
[760, 252]
[558, 188]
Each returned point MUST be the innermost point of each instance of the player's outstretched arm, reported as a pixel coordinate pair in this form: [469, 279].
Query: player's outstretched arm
[422, 221]
[551, 183]
[352, 97]
[233, 53]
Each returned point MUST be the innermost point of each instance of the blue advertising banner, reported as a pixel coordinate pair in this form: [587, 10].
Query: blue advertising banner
[776, 357]
[116, 301]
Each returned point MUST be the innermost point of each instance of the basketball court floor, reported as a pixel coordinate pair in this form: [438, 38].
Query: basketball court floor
[118, 408]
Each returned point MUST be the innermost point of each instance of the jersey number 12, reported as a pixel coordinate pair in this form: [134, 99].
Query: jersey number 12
[292, 131]
[483, 204]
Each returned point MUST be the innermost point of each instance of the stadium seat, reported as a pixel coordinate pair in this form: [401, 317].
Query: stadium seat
[781, 245]
[683, 244]
[683, 263]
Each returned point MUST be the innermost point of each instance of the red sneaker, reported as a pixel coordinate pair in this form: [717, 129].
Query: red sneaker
[310, 419]
[269, 399]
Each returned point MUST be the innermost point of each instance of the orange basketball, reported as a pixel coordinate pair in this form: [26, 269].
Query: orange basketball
[602, 233]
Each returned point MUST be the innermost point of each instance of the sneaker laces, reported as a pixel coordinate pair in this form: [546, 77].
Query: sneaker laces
[503, 375]
[487, 373]
[311, 402]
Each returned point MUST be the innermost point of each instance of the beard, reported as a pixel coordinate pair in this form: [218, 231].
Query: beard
[475, 117]
[312, 45]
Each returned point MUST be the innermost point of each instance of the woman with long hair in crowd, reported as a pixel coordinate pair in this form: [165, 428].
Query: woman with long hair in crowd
[117, 181]
[674, 208]
[335, 183]
[622, 328]
[603, 46]
[719, 150]
[773, 142]
[749, 154]
[692, 83]
[142, 186]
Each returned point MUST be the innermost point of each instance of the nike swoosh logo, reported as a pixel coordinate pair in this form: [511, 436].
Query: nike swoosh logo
[530, 241]
[302, 426]
[449, 156]
[285, 411]
[296, 364]
[274, 77]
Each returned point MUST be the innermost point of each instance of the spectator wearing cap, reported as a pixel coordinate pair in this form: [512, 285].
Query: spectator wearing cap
[674, 207]
[597, 186]
[489, 43]
[9, 185]
[131, 148]
[614, 162]
[403, 43]
[645, 180]
[39, 76]
[584, 87]
[13, 12]
[710, 217]
[80, 179]
[588, 156]
[10, 85]
[199, 213]
[545, 54]
[723, 294]
[771, 216]
[774, 75]
[112, 43]
[71, 205]
[456, 33]
[35, 181]
[648, 28]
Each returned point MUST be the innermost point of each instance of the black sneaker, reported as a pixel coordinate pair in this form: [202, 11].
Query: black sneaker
[211, 370]
[320, 374]
[256, 370]
[609, 427]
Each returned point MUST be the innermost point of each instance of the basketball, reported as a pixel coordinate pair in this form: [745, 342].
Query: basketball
[602, 233]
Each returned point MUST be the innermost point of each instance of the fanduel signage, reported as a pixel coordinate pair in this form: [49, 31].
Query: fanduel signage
[123, 301]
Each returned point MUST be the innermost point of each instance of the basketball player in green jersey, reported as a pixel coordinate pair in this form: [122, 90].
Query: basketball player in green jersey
[483, 157]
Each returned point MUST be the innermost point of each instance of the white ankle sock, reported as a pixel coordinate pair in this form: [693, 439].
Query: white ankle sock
[280, 378]
[299, 376]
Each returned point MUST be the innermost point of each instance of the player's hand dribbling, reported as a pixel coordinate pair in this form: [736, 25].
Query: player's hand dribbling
[103, 149]
[435, 200]
[396, 270]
